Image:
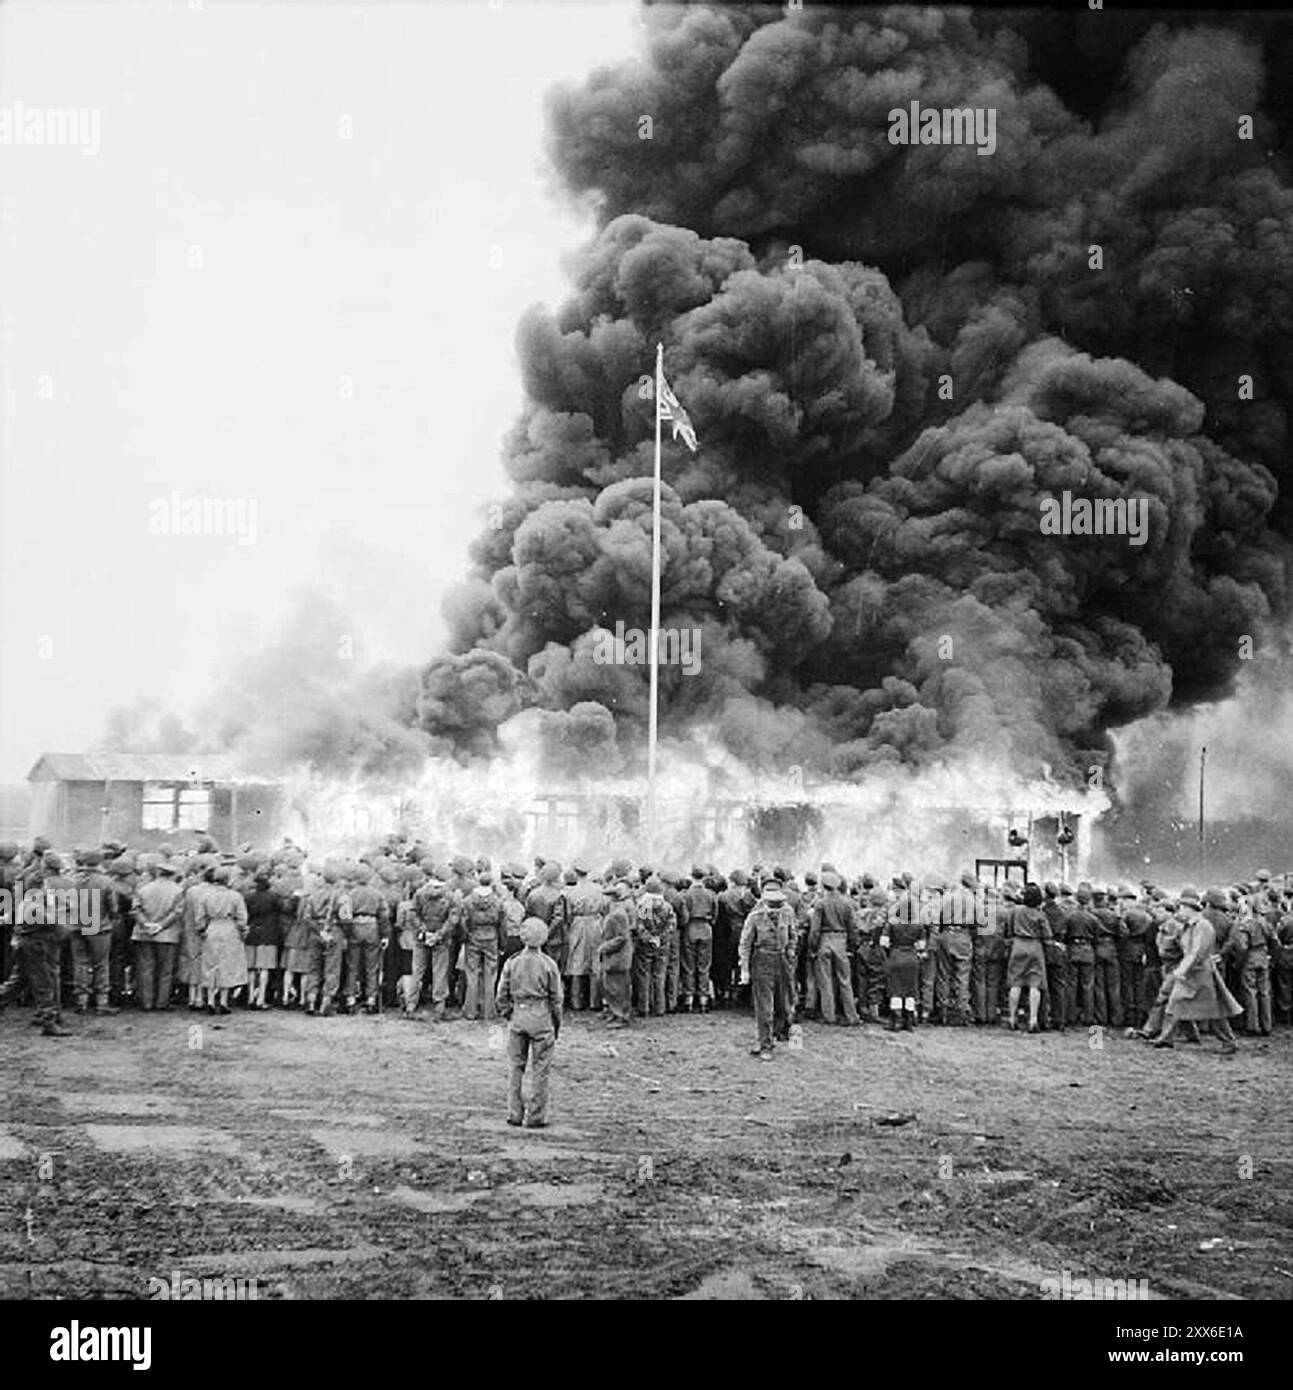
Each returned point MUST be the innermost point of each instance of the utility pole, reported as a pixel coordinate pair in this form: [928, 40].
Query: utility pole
[1203, 767]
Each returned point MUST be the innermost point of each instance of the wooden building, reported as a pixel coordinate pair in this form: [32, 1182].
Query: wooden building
[149, 799]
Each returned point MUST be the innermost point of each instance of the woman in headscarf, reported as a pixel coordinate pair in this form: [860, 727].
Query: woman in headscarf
[222, 925]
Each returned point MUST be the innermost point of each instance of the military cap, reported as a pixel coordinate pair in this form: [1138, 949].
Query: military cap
[165, 867]
[1051, 888]
[697, 871]
[1066, 890]
[810, 879]
[569, 877]
[830, 879]
[1189, 896]
[515, 870]
[934, 883]
[780, 874]
[878, 897]
[1216, 897]
[580, 866]
[1263, 875]
[40, 844]
[91, 858]
[1125, 890]
[737, 876]
[1084, 892]
[653, 885]
[770, 881]
[868, 881]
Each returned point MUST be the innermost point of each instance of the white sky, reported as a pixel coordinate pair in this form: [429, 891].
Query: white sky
[128, 375]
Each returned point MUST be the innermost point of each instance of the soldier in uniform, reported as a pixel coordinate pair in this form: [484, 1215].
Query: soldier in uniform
[674, 885]
[510, 879]
[369, 931]
[437, 910]
[1055, 1000]
[656, 923]
[1251, 944]
[40, 937]
[869, 961]
[543, 901]
[484, 927]
[930, 896]
[1080, 931]
[803, 901]
[832, 942]
[735, 903]
[1282, 961]
[326, 912]
[1133, 952]
[92, 939]
[959, 917]
[1108, 974]
[988, 961]
[529, 996]
[582, 907]
[159, 905]
[766, 954]
[700, 907]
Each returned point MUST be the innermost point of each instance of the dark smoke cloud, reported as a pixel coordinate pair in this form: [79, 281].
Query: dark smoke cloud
[864, 556]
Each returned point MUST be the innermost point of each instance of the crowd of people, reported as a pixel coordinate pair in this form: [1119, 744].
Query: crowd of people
[402, 928]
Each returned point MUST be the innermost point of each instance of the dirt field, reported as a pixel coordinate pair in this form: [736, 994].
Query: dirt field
[356, 1157]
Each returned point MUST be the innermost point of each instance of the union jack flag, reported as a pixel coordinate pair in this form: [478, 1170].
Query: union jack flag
[668, 408]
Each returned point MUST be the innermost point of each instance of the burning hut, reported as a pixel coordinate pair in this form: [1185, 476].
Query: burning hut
[149, 799]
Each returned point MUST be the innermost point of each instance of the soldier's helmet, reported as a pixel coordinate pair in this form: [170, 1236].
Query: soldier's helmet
[8, 851]
[51, 861]
[653, 885]
[552, 872]
[737, 876]
[570, 878]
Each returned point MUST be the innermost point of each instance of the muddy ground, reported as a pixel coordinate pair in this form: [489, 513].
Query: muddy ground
[369, 1158]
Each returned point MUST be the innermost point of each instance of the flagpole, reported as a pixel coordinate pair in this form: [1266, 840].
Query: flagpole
[653, 725]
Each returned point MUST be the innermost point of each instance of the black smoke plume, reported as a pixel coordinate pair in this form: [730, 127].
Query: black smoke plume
[862, 553]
